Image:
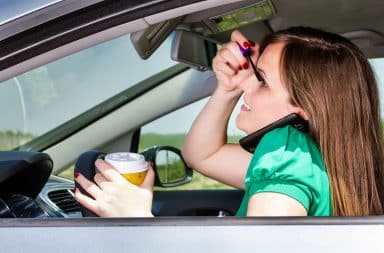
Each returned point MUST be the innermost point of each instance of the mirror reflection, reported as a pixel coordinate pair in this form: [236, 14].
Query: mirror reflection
[170, 167]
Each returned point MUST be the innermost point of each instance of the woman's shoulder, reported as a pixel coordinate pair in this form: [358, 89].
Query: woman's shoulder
[285, 140]
[288, 161]
[288, 151]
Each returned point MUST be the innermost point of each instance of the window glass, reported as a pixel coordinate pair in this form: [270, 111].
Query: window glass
[171, 130]
[40, 100]
[378, 66]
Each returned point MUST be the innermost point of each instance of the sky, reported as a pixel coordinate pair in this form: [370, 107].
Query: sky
[378, 66]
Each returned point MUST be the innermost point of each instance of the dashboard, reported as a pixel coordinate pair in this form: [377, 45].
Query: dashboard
[28, 190]
[56, 199]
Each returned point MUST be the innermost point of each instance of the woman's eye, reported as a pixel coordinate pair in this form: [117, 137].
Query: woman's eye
[260, 78]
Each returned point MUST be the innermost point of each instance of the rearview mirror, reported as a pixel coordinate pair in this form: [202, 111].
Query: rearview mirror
[169, 166]
[149, 39]
[192, 49]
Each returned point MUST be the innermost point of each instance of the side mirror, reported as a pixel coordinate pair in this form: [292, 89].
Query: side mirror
[169, 166]
[192, 49]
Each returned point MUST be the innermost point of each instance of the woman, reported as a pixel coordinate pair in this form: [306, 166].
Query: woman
[335, 169]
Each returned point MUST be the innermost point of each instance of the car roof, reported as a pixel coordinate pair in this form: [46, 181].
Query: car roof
[19, 16]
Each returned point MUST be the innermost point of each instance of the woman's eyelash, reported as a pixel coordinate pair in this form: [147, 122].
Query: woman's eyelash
[259, 77]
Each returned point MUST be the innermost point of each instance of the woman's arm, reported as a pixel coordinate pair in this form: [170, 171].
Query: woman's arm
[274, 204]
[205, 148]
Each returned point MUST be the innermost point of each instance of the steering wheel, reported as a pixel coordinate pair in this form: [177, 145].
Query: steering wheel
[22, 177]
[85, 164]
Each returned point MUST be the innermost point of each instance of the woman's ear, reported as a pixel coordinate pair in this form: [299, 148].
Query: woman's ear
[302, 113]
[298, 110]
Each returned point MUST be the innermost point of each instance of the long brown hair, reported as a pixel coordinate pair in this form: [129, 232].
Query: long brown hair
[331, 79]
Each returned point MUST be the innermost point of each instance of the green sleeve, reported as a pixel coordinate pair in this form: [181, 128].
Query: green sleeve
[282, 163]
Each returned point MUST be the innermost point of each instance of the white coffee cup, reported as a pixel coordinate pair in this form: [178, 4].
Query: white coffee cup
[132, 166]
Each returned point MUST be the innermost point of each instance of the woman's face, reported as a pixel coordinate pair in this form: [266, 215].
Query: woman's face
[266, 101]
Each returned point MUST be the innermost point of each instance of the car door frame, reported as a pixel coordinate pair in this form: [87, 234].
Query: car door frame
[171, 234]
[197, 234]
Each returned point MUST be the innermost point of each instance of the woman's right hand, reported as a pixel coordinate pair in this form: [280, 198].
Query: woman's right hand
[114, 196]
[229, 64]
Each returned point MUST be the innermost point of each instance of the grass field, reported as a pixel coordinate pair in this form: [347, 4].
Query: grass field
[176, 140]
[9, 140]
[12, 139]
[199, 181]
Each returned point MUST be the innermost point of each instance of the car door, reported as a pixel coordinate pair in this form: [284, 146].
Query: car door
[161, 234]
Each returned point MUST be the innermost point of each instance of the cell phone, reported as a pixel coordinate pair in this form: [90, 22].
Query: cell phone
[250, 142]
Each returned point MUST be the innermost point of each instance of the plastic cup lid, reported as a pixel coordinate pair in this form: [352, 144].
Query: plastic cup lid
[126, 162]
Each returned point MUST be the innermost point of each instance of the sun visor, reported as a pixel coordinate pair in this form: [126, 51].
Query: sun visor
[227, 18]
[197, 7]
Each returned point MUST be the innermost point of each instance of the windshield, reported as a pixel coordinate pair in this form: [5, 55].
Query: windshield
[40, 100]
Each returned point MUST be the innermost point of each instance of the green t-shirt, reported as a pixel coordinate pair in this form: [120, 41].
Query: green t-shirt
[289, 162]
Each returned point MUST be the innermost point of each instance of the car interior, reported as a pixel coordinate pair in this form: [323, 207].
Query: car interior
[29, 173]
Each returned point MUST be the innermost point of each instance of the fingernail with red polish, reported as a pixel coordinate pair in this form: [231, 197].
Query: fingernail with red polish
[252, 43]
[74, 190]
[246, 44]
[77, 174]
[240, 68]
[245, 65]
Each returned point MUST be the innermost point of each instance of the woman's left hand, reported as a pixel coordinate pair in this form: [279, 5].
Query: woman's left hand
[113, 195]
